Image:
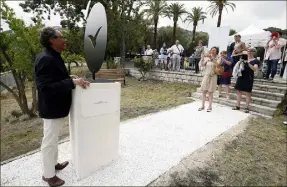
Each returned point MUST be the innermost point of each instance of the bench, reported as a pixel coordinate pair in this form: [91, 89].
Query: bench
[117, 75]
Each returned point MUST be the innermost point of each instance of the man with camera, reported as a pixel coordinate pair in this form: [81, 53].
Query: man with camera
[273, 53]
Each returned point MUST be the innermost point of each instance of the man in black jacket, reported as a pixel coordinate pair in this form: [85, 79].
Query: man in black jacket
[54, 87]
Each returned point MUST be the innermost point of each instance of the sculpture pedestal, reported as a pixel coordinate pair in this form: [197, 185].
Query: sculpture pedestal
[94, 126]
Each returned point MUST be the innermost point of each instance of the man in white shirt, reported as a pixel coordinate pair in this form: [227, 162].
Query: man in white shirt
[176, 51]
[148, 51]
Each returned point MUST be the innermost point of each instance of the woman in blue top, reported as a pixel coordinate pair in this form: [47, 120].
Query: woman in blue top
[244, 83]
[225, 78]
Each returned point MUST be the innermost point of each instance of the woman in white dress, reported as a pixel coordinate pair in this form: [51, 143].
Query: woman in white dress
[209, 81]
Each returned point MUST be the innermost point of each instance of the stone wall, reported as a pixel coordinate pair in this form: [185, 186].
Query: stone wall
[171, 76]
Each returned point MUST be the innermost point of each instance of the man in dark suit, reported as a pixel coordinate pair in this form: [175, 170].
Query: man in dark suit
[54, 87]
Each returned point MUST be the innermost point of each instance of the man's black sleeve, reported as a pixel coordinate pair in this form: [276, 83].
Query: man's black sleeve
[45, 79]
[231, 48]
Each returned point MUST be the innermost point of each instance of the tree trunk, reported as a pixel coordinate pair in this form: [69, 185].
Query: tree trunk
[123, 44]
[21, 97]
[193, 32]
[24, 102]
[174, 31]
[155, 33]
[16, 97]
[34, 98]
[125, 18]
[219, 15]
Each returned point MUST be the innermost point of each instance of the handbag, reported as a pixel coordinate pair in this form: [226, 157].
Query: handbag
[180, 53]
[218, 70]
[226, 75]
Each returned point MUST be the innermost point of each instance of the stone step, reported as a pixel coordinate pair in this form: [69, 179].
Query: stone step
[267, 88]
[252, 107]
[279, 82]
[259, 101]
[258, 94]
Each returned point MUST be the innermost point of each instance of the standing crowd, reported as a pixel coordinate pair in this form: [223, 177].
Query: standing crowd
[167, 58]
[240, 63]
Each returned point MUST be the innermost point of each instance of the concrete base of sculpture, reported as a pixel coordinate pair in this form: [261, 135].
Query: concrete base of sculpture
[94, 127]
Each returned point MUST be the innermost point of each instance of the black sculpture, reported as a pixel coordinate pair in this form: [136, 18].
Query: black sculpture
[95, 38]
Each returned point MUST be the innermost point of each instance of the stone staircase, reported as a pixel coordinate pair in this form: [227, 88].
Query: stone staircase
[266, 96]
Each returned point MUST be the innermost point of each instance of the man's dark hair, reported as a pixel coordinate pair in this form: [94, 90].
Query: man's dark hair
[280, 33]
[46, 34]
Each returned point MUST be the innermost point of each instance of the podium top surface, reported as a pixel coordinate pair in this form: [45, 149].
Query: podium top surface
[99, 80]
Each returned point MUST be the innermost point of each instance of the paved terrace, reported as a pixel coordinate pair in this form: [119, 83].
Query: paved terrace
[149, 146]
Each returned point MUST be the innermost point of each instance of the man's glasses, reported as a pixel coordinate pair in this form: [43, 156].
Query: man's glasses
[62, 37]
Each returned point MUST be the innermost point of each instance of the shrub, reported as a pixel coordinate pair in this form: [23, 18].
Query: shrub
[144, 66]
[111, 64]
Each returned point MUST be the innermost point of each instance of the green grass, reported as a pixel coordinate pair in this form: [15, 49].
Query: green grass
[137, 98]
[256, 158]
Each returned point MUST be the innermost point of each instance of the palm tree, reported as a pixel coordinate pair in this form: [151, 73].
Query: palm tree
[195, 16]
[217, 7]
[156, 8]
[175, 11]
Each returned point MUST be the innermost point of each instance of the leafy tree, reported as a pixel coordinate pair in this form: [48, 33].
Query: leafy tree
[275, 29]
[184, 36]
[144, 66]
[232, 32]
[75, 46]
[217, 6]
[156, 8]
[119, 15]
[70, 58]
[175, 11]
[19, 50]
[138, 33]
[195, 16]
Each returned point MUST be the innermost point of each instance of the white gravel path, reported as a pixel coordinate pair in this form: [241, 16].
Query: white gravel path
[149, 146]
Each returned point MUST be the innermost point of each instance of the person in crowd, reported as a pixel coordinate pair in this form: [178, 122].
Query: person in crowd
[283, 64]
[148, 51]
[197, 55]
[238, 48]
[176, 54]
[273, 54]
[230, 49]
[163, 56]
[169, 65]
[244, 82]
[143, 50]
[209, 80]
[225, 78]
[155, 57]
[54, 87]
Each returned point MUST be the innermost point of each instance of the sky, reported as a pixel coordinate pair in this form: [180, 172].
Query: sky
[262, 14]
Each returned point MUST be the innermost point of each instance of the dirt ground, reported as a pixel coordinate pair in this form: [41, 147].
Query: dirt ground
[19, 134]
[252, 153]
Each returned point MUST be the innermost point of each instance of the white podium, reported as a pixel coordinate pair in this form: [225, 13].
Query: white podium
[94, 127]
